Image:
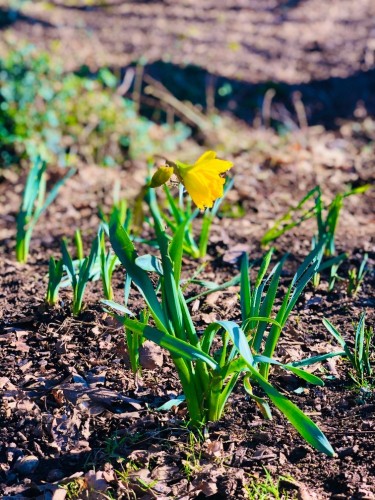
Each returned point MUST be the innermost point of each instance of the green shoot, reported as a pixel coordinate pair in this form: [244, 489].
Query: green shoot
[79, 280]
[332, 264]
[180, 211]
[359, 355]
[258, 301]
[327, 217]
[54, 280]
[79, 244]
[356, 277]
[208, 372]
[108, 263]
[34, 204]
[120, 207]
[134, 339]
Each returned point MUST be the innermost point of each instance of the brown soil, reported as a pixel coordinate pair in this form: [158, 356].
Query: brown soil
[66, 382]
[305, 40]
[70, 406]
[324, 51]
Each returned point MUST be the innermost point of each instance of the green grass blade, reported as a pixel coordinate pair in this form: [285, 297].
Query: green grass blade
[359, 342]
[178, 215]
[32, 185]
[170, 288]
[117, 307]
[79, 244]
[268, 303]
[208, 337]
[226, 392]
[205, 233]
[149, 263]
[283, 225]
[232, 282]
[338, 259]
[261, 402]
[302, 423]
[68, 263]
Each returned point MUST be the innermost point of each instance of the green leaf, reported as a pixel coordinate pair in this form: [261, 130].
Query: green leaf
[176, 250]
[339, 339]
[211, 288]
[125, 251]
[118, 307]
[304, 425]
[309, 377]
[149, 263]
[245, 288]
[177, 347]
[68, 263]
[171, 403]
[317, 359]
[54, 192]
[261, 402]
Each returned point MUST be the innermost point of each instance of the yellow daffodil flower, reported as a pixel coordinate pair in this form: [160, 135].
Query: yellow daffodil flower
[202, 180]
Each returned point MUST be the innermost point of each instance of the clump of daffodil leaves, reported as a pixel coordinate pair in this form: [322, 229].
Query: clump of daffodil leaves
[202, 180]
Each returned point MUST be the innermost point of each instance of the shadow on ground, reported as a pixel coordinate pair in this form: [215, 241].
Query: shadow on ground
[324, 101]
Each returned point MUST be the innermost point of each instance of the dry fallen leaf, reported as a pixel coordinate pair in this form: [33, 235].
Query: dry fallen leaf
[151, 355]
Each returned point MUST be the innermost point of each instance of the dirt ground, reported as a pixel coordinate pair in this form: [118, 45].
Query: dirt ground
[324, 51]
[66, 383]
[71, 411]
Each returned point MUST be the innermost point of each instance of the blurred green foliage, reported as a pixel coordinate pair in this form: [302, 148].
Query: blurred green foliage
[69, 118]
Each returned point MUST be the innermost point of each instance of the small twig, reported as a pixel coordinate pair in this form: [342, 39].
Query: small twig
[156, 89]
[126, 82]
[210, 94]
[266, 107]
[136, 96]
[300, 110]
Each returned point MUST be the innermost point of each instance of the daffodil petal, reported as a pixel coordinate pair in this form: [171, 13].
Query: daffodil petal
[208, 155]
[202, 180]
[214, 165]
[204, 189]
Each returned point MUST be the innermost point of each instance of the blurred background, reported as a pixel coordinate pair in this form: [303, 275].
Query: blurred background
[102, 81]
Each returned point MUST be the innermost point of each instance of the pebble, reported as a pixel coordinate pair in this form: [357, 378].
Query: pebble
[26, 465]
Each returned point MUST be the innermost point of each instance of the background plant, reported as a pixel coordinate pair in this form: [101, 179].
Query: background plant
[267, 488]
[80, 275]
[327, 218]
[355, 277]
[261, 323]
[55, 274]
[360, 354]
[108, 262]
[34, 203]
[71, 116]
[326, 215]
